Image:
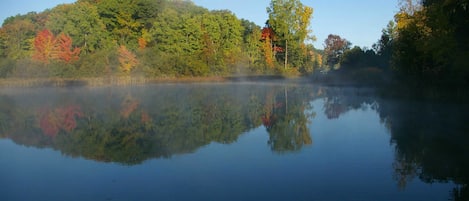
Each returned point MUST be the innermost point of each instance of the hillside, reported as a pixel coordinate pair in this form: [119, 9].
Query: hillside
[155, 38]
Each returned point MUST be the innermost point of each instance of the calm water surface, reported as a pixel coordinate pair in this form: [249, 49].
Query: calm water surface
[240, 141]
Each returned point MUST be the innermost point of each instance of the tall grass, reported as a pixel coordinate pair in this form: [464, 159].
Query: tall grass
[101, 81]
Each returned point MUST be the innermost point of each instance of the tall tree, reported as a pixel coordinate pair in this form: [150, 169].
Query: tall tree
[290, 20]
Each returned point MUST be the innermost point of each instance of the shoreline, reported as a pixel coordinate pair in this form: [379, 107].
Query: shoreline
[130, 80]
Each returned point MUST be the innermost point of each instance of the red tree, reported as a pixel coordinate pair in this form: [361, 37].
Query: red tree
[47, 47]
[64, 49]
[44, 46]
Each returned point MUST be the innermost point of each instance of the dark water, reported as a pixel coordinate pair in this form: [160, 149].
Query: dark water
[258, 141]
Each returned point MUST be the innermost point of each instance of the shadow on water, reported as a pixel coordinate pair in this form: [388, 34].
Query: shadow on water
[129, 125]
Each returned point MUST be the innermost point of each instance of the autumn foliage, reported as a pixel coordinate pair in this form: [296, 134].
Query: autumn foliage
[129, 105]
[52, 121]
[48, 47]
[64, 49]
[268, 34]
[127, 59]
[44, 46]
[142, 43]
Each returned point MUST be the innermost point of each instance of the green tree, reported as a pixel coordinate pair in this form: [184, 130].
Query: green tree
[384, 47]
[290, 20]
[81, 22]
[16, 38]
[120, 21]
[230, 39]
[252, 45]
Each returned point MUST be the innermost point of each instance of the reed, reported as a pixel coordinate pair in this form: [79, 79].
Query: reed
[101, 81]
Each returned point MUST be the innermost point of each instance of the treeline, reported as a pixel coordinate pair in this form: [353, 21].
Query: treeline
[425, 45]
[431, 42]
[156, 38]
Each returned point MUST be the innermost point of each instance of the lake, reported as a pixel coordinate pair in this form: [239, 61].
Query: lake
[230, 141]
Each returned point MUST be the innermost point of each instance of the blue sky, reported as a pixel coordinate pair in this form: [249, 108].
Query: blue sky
[359, 21]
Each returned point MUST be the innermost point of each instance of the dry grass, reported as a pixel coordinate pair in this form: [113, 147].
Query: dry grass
[101, 81]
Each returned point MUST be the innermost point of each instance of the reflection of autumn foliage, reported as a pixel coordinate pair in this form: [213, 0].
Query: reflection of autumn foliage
[52, 120]
[145, 117]
[268, 120]
[269, 117]
[129, 105]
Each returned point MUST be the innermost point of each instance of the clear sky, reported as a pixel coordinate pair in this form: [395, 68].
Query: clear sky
[359, 21]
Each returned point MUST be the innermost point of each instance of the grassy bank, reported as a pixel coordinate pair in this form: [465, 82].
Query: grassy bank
[126, 80]
[100, 81]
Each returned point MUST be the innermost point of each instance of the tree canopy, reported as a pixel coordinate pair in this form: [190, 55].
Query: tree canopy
[165, 37]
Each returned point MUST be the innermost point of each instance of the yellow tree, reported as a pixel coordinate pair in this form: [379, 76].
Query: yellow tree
[267, 37]
[127, 59]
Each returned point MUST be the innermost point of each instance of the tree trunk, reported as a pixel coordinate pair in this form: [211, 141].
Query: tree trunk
[286, 54]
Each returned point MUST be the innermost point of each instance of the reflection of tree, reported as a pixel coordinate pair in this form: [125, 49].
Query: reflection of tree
[338, 101]
[52, 121]
[333, 108]
[120, 126]
[286, 120]
[6, 115]
[431, 140]
[129, 105]
[404, 170]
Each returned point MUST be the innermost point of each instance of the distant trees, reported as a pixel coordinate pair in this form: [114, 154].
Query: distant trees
[334, 48]
[426, 44]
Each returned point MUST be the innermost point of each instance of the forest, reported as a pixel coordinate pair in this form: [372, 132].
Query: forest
[425, 44]
[154, 38]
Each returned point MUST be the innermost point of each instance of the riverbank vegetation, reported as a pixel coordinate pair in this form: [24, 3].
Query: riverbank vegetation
[425, 45]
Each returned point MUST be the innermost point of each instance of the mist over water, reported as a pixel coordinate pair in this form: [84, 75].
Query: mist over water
[229, 141]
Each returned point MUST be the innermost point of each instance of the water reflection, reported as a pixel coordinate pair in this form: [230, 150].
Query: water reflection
[430, 140]
[133, 124]
[286, 115]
